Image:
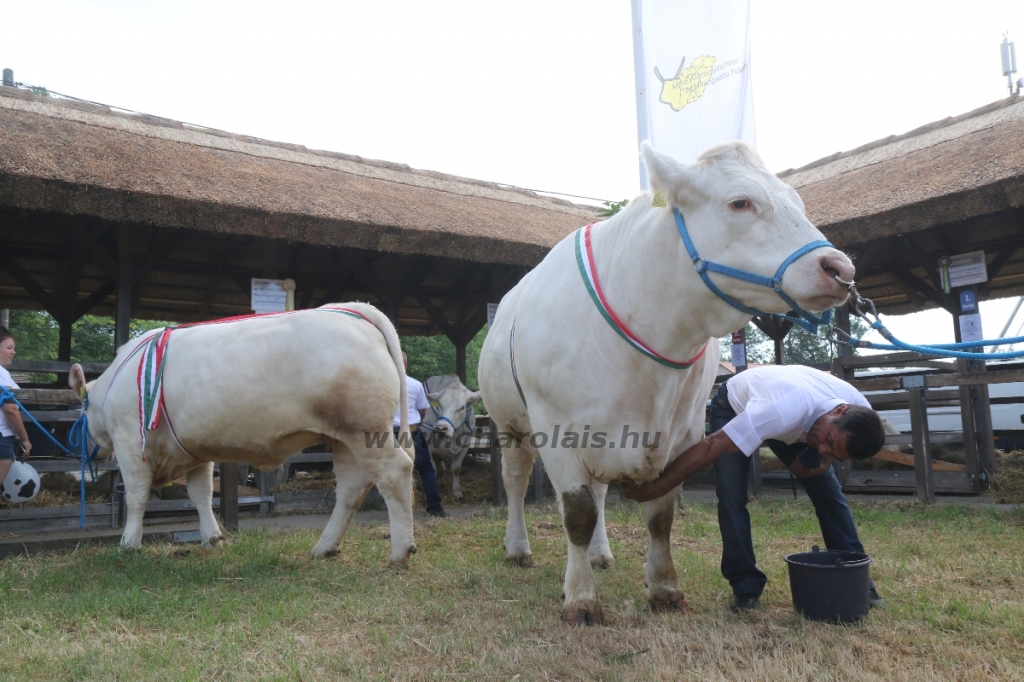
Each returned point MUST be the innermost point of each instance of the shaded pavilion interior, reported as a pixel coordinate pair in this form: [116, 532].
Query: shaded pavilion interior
[112, 213]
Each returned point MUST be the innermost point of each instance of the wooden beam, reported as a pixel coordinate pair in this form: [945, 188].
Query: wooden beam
[438, 318]
[30, 285]
[92, 300]
[87, 242]
[940, 299]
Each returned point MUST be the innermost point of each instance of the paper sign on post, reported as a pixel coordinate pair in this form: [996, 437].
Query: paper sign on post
[739, 349]
[268, 296]
[970, 328]
[967, 268]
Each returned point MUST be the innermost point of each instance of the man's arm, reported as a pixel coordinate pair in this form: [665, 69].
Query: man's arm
[13, 416]
[693, 459]
[800, 471]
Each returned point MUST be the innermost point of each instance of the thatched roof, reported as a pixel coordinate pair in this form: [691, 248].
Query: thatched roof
[948, 171]
[67, 157]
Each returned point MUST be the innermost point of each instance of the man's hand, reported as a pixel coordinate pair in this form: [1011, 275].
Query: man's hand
[692, 460]
[800, 471]
[643, 492]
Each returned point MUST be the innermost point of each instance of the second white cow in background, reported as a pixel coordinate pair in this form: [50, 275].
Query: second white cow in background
[450, 424]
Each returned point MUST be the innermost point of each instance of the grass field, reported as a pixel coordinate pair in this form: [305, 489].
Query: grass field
[260, 609]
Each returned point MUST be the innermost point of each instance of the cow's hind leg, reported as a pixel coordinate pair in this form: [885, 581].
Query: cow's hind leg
[199, 483]
[516, 467]
[352, 484]
[579, 517]
[138, 481]
[660, 574]
[390, 467]
[600, 552]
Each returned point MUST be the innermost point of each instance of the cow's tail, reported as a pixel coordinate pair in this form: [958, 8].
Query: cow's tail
[382, 323]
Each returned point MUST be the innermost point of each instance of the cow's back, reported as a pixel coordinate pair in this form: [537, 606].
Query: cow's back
[269, 383]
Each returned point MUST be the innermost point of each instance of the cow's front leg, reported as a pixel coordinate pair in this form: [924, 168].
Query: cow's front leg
[579, 517]
[138, 481]
[199, 483]
[660, 575]
[516, 465]
[456, 468]
[352, 484]
[600, 552]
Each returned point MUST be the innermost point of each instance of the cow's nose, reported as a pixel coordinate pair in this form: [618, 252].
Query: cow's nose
[836, 264]
[442, 428]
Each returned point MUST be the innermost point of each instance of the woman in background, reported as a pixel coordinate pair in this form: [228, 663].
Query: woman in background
[11, 426]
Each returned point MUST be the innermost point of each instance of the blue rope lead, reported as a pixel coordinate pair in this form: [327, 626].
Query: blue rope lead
[77, 438]
[940, 349]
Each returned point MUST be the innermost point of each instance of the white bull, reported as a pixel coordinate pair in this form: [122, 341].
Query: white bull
[450, 423]
[561, 368]
[259, 390]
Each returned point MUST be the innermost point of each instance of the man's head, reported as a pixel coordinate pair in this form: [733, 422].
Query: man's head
[847, 432]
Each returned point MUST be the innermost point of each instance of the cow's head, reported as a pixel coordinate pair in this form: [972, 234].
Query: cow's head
[454, 407]
[740, 215]
[96, 430]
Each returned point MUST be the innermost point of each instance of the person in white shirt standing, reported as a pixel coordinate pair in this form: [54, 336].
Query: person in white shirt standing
[11, 425]
[423, 464]
[809, 419]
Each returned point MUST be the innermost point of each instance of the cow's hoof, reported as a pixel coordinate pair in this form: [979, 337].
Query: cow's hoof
[214, 541]
[583, 613]
[402, 560]
[602, 561]
[523, 559]
[459, 497]
[671, 600]
[319, 553]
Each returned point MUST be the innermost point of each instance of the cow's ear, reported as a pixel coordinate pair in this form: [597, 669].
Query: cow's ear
[474, 398]
[434, 397]
[677, 182]
[76, 380]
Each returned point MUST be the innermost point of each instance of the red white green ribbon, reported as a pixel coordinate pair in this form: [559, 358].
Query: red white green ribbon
[512, 360]
[588, 270]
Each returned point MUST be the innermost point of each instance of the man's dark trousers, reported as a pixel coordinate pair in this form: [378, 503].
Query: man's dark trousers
[425, 468]
[731, 469]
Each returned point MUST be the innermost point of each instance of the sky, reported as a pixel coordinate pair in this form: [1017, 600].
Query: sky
[537, 94]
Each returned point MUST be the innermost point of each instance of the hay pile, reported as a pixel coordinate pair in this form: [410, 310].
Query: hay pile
[1008, 481]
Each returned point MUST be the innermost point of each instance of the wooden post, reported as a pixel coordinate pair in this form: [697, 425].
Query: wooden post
[755, 484]
[922, 446]
[123, 316]
[842, 317]
[460, 360]
[229, 495]
[498, 496]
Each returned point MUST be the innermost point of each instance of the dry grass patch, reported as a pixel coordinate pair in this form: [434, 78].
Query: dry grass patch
[259, 608]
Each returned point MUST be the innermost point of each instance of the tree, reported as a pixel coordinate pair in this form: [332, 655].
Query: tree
[612, 207]
[433, 355]
[92, 337]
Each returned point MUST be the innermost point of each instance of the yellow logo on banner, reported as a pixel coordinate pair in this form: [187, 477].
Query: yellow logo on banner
[688, 84]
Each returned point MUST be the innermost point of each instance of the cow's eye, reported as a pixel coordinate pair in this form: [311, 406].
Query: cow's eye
[740, 204]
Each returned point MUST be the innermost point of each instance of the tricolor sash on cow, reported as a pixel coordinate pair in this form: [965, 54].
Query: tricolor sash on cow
[588, 270]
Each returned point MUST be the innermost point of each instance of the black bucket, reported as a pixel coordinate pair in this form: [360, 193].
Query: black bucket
[830, 586]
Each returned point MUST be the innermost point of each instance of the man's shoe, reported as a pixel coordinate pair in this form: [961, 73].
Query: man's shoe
[437, 513]
[742, 603]
[875, 601]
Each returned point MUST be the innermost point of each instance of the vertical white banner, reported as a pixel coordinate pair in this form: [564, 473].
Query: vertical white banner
[691, 59]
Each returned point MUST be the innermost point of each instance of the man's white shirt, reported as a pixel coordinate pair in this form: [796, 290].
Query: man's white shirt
[782, 402]
[417, 402]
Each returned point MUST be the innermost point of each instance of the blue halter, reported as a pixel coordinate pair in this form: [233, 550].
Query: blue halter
[806, 320]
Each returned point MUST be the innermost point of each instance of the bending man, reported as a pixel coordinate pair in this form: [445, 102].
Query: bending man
[809, 419]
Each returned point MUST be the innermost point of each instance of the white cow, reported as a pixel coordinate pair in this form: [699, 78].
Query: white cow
[258, 390]
[561, 368]
[450, 423]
